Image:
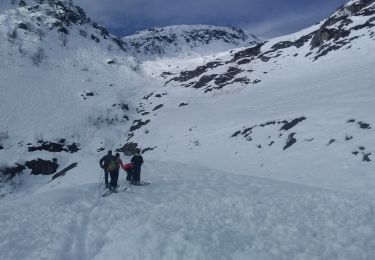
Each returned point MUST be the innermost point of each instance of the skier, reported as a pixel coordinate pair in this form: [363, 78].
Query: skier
[137, 161]
[104, 163]
[113, 168]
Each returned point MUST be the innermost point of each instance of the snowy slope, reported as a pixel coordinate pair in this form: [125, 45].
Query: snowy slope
[62, 78]
[185, 41]
[274, 108]
[188, 212]
[295, 111]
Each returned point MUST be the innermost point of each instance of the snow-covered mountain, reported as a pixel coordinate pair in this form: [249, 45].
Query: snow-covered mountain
[185, 40]
[295, 111]
[63, 79]
[303, 97]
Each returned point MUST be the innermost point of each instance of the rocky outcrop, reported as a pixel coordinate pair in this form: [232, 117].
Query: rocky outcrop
[55, 147]
[128, 149]
[43, 167]
[337, 28]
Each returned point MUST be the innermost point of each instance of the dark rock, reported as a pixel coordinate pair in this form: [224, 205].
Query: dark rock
[55, 147]
[1, 147]
[73, 148]
[188, 75]
[128, 149]
[23, 26]
[22, 3]
[148, 149]
[236, 134]
[298, 43]
[289, 125]
[361, 148]
[103, 31]
[148, 96]
[205, 79]
[166, 74]
[364, 125]
[271, 143]
[331, 142]
[243, 61]
[256, 81]
[267, 123]
[44, 167]
[93, 37]
[366, 157]
[183, 104]
[124, 107]
[351, 121]
[64, 171]
[158, 107]
[138, 124]
[83, 33]
[12, 171]
[223, 79]
[158, 96]
[291, 141]
[249, 53]
[325, 34]
[87, 94]
[111, 61]
[347, 138]
[247, 131]
[69, 14]
[355, 153]
[62, 29]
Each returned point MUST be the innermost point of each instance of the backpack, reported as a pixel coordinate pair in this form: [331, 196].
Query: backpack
[128, 166]
[113, 165]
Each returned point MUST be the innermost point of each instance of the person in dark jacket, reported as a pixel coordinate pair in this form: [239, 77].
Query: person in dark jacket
[114, 168]
[104, 163]
[137, 161]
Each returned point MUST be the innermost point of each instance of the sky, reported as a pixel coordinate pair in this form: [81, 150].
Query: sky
[264, 18]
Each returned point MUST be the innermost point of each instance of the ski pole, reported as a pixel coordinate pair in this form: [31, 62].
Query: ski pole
[131, 188]
[101, 178]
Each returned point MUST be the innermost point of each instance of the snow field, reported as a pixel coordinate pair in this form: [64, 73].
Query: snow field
[188, 212]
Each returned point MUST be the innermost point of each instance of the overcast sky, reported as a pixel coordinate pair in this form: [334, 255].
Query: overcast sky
[264, 18]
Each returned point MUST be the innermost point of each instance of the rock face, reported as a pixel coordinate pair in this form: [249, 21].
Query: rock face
[341, 24]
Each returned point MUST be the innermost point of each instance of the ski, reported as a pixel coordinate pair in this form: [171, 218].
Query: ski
[143, 183]
[107, 193]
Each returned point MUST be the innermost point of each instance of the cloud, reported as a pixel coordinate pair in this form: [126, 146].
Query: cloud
[266, 18]
[288, 23]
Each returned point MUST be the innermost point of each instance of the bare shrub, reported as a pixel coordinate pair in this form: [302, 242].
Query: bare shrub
[12, 35]
[63, 38]
[38, 56]
[40, 33]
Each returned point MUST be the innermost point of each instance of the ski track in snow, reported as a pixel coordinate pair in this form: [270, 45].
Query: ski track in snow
[190, 212]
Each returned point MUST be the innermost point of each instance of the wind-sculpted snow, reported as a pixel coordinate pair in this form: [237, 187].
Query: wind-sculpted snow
[188, 212]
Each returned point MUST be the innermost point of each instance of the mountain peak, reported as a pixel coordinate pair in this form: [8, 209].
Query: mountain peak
[186, 40]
